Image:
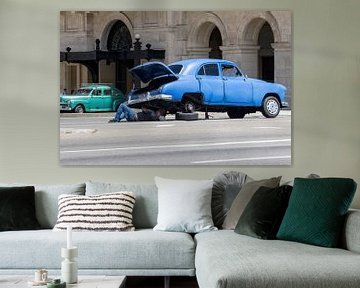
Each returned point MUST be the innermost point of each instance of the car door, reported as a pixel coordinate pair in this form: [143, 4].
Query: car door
[97, 100]
[108, 99]
[237, 87]
[210, 83]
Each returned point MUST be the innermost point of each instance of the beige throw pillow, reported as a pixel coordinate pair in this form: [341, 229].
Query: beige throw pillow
[243, 198]
[104, 212]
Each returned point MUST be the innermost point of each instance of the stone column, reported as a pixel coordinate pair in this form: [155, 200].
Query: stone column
[62, 77]
[246, 56]
[197, 52]
[107, 72]
[283, 67]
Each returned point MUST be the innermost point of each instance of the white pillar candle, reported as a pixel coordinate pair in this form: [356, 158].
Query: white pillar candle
[69, 237]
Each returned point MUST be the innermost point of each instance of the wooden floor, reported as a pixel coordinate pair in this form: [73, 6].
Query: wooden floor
[158, 282]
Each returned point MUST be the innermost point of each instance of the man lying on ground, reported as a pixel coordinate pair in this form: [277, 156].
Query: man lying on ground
[125, 112]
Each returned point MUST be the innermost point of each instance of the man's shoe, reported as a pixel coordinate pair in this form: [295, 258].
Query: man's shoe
[113, 121]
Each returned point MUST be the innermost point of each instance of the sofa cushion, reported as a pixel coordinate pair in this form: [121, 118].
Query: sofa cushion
[226, 187]
[350, 239]
[317, 209]
[46, 200]
[17, 208]
[184, 205]
[105, 212]
[142, 250]
[243, 198]
[146, 205]
[225, 259]
[263, 215]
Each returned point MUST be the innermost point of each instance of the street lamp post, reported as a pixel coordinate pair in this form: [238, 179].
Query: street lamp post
[137, 58]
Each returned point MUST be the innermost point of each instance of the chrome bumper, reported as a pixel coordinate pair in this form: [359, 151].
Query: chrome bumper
[65, 107]
[284, 104]
[148, 97]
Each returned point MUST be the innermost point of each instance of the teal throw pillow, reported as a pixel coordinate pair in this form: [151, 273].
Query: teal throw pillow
[316, 211]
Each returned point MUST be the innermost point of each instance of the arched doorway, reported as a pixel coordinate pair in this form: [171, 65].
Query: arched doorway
[207, 34]
[215, 41]
[266, 53]
[119, 39]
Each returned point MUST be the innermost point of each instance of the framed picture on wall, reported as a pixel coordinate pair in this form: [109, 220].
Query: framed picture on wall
[175, 87]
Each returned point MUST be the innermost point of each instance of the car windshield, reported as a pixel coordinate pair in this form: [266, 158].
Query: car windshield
[176, 68]
[82, 92]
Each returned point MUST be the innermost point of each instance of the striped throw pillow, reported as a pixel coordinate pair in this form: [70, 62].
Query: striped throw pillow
[105, 212]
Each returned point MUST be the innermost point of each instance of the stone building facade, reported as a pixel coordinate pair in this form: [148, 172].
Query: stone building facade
[260, 42]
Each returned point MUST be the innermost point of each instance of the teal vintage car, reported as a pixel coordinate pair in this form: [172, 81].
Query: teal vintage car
[92, 98]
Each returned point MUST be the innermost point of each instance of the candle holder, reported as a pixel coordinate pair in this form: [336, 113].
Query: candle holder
[69, 272]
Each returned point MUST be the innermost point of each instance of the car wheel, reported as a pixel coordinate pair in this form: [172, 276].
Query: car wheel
[79, 109]
[161, 112]
[236, 114]
[189, 107]
[270, 107]
[186, 116]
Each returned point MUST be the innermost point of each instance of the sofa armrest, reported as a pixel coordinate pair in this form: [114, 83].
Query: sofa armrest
[351, 234]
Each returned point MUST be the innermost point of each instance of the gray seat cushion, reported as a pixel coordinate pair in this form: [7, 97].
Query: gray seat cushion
[226, 259]
[137, 250]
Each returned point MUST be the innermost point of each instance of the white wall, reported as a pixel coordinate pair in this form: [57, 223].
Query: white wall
[326, 99]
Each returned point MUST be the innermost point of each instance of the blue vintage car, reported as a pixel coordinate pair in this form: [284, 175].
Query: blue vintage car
[205, 85]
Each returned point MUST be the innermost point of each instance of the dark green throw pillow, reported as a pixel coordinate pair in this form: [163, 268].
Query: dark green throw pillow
[17, 208]
[263, 214]
[316, 211]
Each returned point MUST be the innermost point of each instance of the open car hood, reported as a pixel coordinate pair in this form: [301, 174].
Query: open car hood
[150, 71]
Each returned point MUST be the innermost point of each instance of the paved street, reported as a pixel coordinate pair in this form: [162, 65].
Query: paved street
[88, 139]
